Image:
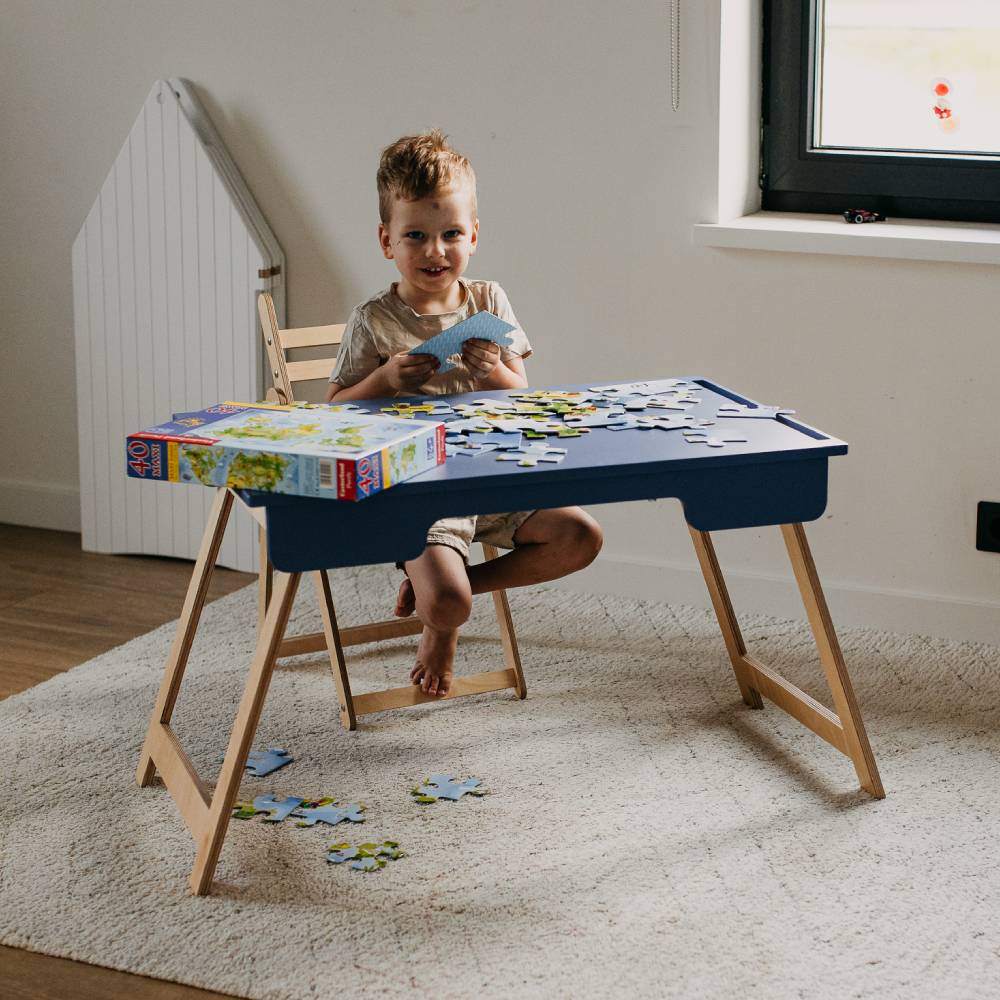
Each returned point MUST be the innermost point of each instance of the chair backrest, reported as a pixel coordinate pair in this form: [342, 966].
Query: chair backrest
[286, 374]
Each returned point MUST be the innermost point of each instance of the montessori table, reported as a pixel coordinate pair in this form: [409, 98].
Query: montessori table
[778, 477]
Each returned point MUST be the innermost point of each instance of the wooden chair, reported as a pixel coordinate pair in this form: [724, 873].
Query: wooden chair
[285, 375]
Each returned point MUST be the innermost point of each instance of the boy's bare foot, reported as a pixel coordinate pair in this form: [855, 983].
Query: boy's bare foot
[433, 670]
[406, 603]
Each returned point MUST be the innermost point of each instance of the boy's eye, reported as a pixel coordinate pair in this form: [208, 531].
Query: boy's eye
[414, 234]
[453, 234]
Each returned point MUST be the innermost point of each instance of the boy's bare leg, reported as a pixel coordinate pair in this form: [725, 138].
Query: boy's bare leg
[550, 544]
[443, 600]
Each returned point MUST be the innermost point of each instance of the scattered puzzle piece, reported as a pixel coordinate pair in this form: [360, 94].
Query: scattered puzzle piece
[645, 388]
[261, 762]
[276, 809]
[473, 449]
[327, 811]
[698, 437]
[759, 412]
[443, 786]
[365, 857]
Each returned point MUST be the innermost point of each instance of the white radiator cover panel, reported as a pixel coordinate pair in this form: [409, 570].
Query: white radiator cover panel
[165, 277]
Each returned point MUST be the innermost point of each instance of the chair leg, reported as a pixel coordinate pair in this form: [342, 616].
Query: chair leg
[336, 650]
[265, 579]
[508, 639]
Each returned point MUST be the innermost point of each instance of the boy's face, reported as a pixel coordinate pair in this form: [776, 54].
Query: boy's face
[431, 239]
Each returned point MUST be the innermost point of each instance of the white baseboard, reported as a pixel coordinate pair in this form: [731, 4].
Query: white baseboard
[58, 508]
[40, 505]
[850, 605]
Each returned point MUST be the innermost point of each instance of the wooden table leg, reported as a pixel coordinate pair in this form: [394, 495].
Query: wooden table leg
[210, 837]
[832, 658]
[187, 626]
[844, 729]
[728, 623]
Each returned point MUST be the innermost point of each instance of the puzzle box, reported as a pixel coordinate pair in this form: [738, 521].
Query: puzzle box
[322, 451]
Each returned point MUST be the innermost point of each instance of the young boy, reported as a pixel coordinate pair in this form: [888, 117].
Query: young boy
[429, 229]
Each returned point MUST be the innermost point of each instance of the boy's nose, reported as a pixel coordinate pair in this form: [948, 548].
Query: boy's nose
[435, 248]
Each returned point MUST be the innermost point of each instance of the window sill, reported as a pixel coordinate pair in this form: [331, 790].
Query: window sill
[904, 239]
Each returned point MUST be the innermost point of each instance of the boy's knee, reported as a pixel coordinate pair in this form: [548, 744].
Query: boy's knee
[446, 608]
[583, 539]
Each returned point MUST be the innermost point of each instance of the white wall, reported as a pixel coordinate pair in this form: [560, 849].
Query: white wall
[589, 186]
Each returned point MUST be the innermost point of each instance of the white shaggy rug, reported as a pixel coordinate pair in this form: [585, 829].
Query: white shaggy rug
[645, 835]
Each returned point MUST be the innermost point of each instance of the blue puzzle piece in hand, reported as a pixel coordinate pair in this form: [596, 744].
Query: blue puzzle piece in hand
[261, 762]
[479, 326]
[443, 786]
[330, 813]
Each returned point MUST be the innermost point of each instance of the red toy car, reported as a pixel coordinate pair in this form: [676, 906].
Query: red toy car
[863, 215]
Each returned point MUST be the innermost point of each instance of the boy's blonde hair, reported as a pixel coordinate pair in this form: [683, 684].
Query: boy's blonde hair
[418, 166]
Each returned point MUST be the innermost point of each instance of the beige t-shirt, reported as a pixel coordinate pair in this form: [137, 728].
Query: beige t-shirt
[385, 325]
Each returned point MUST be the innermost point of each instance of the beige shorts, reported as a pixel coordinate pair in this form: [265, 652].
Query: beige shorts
[460, 532]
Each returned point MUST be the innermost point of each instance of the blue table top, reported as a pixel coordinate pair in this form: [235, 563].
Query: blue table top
[778, 476]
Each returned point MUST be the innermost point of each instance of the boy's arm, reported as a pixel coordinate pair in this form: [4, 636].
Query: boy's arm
[401, 373]
[372, 386]
[509, 374]
[488, 367]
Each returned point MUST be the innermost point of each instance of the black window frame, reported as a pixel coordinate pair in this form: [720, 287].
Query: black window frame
[795, 177]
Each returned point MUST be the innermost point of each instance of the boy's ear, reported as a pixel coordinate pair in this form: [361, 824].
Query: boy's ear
[384, 242]
[474, 239]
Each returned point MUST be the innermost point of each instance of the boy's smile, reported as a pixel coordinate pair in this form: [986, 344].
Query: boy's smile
[431, 240]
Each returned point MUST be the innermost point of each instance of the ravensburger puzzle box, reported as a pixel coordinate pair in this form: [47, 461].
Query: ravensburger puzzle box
[336, 452]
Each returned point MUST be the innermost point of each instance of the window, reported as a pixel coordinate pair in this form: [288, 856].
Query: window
[889, 105]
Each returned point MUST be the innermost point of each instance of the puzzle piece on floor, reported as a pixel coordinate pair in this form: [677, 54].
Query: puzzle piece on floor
[261, 762]
[329, 812]
[365, 857]
[699, 437]
[760, 412]
[276, 809]
[479, 326]
[444, 786]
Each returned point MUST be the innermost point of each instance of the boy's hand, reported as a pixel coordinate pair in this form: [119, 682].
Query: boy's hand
[408, 372]
[480, 357]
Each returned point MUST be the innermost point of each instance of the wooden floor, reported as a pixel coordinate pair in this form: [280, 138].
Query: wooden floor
[59, 607]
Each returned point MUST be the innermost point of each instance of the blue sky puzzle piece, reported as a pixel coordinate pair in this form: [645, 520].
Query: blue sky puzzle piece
[443, 786]
[261, 762]
[332, 814]
[276, 809]
[479, 326]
